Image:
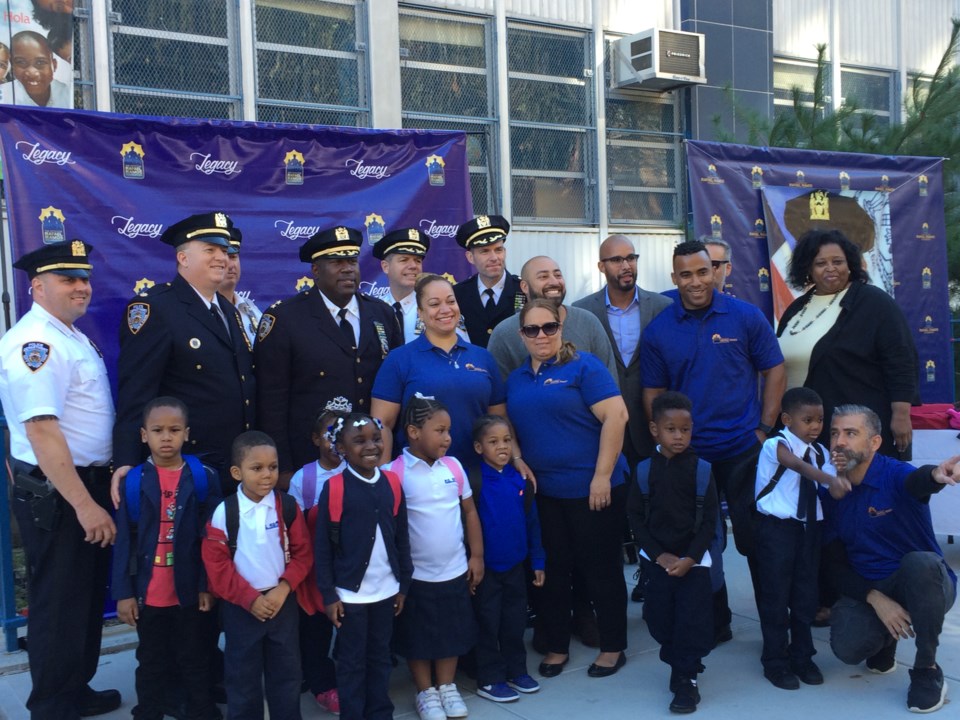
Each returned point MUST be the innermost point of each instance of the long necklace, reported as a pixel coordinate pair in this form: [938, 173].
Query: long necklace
[795, 330]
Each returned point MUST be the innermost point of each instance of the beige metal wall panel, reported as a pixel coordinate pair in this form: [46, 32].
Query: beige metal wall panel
[868, 32]
[799, 25]
[481, 7]
[926, 32]
[631, 16]
[570, 12]
[576, 252]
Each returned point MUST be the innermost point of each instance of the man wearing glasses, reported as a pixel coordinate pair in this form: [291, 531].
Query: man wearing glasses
[720, 256]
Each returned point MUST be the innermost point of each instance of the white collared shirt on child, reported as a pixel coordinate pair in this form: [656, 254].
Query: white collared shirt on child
[259, 556]
[782, 501]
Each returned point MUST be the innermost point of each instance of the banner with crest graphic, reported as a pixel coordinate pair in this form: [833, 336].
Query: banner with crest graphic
[760, 200]
[117, 181]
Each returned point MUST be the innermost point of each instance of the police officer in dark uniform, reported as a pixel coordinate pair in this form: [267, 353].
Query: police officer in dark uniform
[56, 398]
[185, 339]
[326, 342]
[493, 294]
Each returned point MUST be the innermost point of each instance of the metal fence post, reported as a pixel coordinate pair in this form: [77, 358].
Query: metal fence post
[8, 603]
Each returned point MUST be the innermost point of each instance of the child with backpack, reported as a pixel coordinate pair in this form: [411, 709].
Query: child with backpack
[163, 510]
[362, 551]
[316, 630]
[791, 466]
[257, 552]
[511, 535]
[674, 522]
[437, 625]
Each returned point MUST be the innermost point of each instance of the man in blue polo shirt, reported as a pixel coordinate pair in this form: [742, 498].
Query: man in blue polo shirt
[714, 349]
[893, 580]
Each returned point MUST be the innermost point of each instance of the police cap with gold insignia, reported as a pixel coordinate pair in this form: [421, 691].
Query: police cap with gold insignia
[335, 242]
[70, 258]
[482, 230]
[236, 237]
[406, 241]
[215, 228]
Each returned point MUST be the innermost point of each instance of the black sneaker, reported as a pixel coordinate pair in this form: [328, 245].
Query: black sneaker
[807, 672]
[885, 661]
[782, 678]
[927, 690]
[686, 696]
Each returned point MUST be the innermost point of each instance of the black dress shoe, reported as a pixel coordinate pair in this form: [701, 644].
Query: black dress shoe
[549, 670]
[808, 673]
[782, 678]
[603, 671]
[636, 595]
[98, 702]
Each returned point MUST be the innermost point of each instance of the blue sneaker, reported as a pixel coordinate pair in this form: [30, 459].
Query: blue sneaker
[524, 684]
[498, 692]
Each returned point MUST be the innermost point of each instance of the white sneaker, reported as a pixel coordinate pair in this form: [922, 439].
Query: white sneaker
[428, 705]
[453, 705]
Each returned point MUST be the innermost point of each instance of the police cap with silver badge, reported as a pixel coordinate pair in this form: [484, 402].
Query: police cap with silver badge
[70, 258]
[482, 230]
[333, 243]
[406, 241]
[215, 228]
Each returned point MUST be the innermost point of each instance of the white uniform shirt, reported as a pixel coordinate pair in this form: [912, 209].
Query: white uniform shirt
[296, 483]
[47, 368]
[781, 502]
[250, 315]
[433, 515]
[259, 557]
[352, 316]
[497, 289]
[379, 582]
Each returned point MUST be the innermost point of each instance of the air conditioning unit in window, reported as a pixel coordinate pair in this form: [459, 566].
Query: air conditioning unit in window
[658, 60]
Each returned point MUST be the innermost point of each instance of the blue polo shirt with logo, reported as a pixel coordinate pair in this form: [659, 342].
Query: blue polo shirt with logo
[879, 521]
[558, 433]
[714, 359]
[466, 380]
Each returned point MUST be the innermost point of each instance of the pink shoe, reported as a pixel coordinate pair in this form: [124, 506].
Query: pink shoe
[329, 701]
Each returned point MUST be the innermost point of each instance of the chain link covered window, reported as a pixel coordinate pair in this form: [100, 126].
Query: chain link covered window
[310, 65]
[870, 90]
[175, 58]
[552, 131]
[448, 82]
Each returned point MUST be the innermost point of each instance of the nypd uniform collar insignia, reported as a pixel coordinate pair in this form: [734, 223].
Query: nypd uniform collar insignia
[35, 354]
[266, 325]
[137, 315]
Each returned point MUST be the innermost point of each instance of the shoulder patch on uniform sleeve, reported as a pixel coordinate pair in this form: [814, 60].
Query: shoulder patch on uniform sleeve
[266, 325]
[35, 354]
[137, 315]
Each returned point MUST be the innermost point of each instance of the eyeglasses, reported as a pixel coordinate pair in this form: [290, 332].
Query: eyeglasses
[718, 263]
[621, 259]
[549, 329]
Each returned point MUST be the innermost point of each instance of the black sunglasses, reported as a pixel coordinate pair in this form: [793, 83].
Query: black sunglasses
[549, 329]
[718, 263]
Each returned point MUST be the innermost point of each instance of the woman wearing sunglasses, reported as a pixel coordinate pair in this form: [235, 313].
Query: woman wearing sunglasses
[569, 418]
[439, 363]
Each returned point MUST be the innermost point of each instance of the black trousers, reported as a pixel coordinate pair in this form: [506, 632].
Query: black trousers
[316, 636]
[172, 651]
[363, 661]
[501, 607]
[679, 615]
[66, 587]
[578, 538]
[788, 558]
[262, 657]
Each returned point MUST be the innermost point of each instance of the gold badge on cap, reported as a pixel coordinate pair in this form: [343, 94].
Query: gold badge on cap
[413, 234]
[77, 249]
[342, 233]
[483, 221]
[819, 205]
[220, 220]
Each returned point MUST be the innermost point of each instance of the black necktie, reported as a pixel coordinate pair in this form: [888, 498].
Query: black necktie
[807, 497]
[347, 329]
[218, 318]
[398, 311]
[489, 303]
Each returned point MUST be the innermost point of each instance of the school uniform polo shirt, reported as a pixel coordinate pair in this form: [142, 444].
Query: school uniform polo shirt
[781, 502]
[879, 521]
[559, 435]
[466, 380]
[714, 360]
[259, 557]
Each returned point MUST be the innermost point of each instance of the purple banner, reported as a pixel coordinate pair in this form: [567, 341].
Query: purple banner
[117, 181]
[761, 199]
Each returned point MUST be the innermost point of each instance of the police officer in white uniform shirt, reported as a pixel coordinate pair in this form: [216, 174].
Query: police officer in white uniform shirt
[56, 398]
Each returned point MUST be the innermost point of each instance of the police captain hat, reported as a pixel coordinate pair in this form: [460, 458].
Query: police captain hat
[69, 258]
[405, 241]
[335, 242]
[215, 228]
[482, 230]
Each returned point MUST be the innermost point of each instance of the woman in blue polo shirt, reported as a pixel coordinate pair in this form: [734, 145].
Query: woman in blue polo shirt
[569, 417]
[462, 376]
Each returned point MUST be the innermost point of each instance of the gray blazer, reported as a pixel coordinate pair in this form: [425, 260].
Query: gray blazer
[637, 443]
